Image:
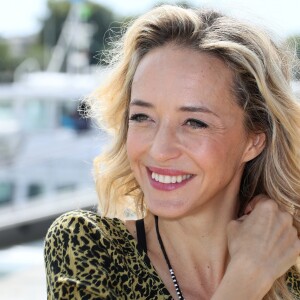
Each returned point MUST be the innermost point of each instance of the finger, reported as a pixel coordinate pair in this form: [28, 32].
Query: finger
[242, 218]
[252, 203]
[259, 199]
[248, 208]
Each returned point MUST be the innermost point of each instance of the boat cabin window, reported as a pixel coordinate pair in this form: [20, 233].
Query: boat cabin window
[34, 190]
[6, 109]
[66, 187]
[6, 192]
[70, 117]
[37, 115]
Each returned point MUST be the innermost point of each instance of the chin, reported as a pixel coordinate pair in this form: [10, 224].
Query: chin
[168, 211]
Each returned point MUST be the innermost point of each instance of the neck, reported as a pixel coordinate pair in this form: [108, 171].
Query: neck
[198, 242]
[199, 239]
[208, 224]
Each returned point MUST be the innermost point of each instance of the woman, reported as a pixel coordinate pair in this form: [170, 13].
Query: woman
[204, 125]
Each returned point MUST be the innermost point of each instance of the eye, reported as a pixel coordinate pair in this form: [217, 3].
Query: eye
[194, 123]
[139, 118]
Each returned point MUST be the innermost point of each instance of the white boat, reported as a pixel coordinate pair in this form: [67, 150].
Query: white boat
[46, 149]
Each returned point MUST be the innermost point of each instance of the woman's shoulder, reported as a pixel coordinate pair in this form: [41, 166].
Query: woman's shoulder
[88, 256]
[92, 257]
[87, 220]
[85, 227]
[293, 282]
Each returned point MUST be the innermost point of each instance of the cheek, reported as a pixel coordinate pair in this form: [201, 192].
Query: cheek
[214, 152]
[130, 146]
[135, 145]
[203, 147]
[228, 153]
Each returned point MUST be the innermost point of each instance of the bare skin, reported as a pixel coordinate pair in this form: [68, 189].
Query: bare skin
[254, 242]
[184, 121]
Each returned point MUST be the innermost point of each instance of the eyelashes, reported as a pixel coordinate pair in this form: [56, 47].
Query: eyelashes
[139, 118]
[192, 123]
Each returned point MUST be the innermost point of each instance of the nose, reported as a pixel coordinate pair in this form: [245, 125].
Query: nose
[165, 145]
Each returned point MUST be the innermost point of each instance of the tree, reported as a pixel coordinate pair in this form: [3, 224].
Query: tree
[4, 55]
[293, 42]
[97, 15]
[181, 3]
[8, 62]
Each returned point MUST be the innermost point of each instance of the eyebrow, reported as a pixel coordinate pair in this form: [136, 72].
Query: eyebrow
[142, 103]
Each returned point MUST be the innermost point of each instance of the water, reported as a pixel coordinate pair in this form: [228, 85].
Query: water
[22, 275]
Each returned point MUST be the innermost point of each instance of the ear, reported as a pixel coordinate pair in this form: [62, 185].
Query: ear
[256, 144]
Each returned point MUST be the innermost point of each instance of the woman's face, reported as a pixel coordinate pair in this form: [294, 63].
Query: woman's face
[186, 142]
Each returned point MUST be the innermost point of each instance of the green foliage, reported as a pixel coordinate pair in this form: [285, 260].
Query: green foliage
[8, 62]
[92, 13]
[182, 3]
[101, 18]
[53, 23]
[97, 15]
[58, 7]
[40, 53]
[293, 43]
[4, 54]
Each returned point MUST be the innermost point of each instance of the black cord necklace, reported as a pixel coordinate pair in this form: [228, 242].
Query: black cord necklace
[176, 285]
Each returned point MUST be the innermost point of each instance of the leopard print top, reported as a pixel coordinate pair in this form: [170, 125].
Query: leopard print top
[89, 257]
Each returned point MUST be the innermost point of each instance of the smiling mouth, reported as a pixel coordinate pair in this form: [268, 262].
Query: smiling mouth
[170, 179]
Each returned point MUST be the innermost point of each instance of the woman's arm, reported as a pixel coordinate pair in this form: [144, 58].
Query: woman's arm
[262, 246]
[76, 259]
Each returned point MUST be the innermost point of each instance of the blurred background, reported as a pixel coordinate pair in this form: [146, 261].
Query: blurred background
[50, 58]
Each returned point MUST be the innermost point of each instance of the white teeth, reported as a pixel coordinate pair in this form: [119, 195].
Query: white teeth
[169, 179]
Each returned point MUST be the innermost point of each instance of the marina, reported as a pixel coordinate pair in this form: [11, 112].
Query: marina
[47, 149]
[22, 275]
[46, 165]
[46, 155]
[47, 146]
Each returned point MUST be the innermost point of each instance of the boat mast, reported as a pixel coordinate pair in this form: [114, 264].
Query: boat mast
[73, 43]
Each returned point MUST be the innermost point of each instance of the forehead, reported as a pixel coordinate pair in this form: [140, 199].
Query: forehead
[176, 73]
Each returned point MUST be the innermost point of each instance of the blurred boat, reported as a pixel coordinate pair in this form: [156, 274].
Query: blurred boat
[46, 147]
[46, 151]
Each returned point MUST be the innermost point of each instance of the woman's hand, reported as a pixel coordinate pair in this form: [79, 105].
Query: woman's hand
[264, 239]
[262, 245]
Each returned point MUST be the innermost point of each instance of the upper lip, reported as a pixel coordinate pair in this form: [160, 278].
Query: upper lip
[170, 172]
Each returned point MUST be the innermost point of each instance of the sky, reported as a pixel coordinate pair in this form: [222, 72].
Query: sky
[23, 17]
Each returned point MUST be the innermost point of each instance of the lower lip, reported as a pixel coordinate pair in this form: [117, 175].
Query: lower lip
[166, 186]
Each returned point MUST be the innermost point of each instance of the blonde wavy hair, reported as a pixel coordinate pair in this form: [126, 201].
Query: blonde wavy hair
[262, 88]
